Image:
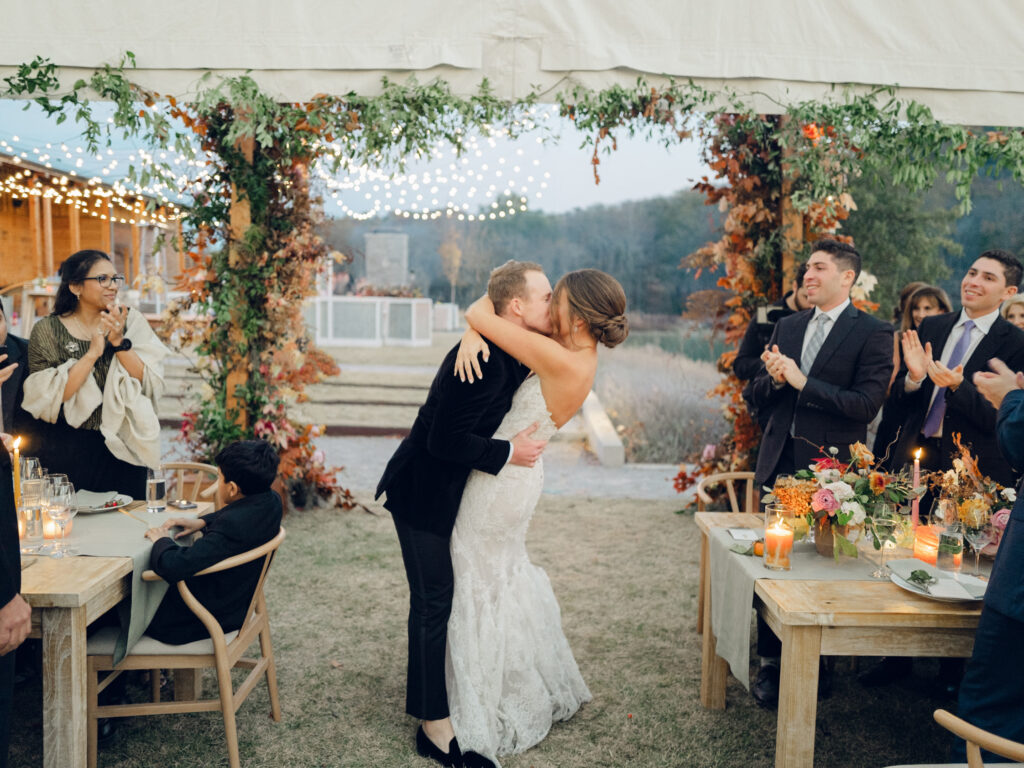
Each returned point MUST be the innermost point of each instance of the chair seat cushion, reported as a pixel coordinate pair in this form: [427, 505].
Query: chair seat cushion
[101, 643]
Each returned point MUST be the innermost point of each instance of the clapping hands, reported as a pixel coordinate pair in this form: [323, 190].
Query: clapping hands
[995, 385]
[783, 369]
[920, 363]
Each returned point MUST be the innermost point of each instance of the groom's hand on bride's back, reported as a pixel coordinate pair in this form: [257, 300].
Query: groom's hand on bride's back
[526, 450]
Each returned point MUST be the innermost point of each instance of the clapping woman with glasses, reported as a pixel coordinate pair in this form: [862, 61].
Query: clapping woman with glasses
[95, 375]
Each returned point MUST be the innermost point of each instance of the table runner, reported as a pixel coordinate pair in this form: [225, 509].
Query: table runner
[732, 590]
[115, 534]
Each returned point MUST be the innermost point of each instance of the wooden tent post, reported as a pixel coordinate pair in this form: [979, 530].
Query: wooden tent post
[241, 220]
[791, 221]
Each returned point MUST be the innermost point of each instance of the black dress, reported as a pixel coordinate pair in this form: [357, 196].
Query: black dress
[79, 452]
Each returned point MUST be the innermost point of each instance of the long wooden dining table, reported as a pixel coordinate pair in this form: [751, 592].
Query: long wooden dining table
[827, 618]
[66, 596]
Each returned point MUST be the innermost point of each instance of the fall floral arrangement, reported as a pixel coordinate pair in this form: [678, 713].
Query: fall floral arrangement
[968, 497]
[836, 497]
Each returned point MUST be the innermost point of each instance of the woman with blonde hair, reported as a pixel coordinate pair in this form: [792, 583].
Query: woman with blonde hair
[509, 669]
[1013, 310]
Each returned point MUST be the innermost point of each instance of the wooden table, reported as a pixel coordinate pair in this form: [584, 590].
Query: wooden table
[822, 618]
[66, 596]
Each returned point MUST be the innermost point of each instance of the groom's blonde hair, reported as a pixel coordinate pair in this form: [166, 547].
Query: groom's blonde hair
[508, 282]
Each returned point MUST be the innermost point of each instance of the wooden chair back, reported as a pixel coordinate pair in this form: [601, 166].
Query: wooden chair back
[978, 739]
[189, 479]
[730, 481]
[226, 656]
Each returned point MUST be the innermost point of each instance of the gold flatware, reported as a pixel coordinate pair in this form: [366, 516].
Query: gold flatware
[133, 517]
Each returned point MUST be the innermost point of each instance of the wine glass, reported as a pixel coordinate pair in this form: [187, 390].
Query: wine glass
[31, 469]
[882, 530]
[31, 513]
[979, 537]
[62, 509]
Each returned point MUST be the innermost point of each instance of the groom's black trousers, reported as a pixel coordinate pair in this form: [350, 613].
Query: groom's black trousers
[428, 566]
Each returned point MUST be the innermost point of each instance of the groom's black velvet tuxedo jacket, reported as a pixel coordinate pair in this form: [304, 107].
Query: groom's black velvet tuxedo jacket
[845, 389]
[450, 437]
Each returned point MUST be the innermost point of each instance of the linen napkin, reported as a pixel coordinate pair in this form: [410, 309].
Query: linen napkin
[93, 500]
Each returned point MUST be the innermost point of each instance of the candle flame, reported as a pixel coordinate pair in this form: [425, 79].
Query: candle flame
[17, 442]
[917, 454]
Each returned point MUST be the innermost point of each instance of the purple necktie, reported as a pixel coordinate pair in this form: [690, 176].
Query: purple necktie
[933, 422]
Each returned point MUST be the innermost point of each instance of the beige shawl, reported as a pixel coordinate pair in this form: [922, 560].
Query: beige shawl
[129, 421]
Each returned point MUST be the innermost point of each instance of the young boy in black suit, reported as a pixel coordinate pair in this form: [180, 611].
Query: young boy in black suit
[248, 515]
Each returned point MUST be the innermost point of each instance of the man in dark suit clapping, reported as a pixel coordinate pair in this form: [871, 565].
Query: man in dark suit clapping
[826, 369]
[825, 378]
[935, 384]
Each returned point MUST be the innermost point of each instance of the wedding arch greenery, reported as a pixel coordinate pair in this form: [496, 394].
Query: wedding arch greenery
[782, 178]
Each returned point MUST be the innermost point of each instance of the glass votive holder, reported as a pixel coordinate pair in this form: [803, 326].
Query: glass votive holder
[778, 541]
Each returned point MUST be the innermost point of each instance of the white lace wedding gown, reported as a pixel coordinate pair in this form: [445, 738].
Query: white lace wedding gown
[509, 669]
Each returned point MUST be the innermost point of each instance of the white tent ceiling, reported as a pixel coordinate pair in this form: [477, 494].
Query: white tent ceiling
[964, 60]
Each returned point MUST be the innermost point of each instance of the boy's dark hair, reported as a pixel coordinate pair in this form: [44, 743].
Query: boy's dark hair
[845, 256]
[249, 464]
[1012, 268]
[801, 270]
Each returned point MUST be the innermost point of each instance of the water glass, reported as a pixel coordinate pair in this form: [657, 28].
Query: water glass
[951, 548]
[31, 469]
[31, 516]
[61, 509]
[156, 491]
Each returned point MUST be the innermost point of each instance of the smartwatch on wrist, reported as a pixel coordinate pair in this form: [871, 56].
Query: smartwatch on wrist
[124, 346]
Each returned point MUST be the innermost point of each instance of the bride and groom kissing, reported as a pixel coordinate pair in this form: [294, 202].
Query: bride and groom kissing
[489, 667]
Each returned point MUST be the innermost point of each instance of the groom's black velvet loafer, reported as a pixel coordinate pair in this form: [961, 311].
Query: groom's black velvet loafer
[426, 748]
[474, 760]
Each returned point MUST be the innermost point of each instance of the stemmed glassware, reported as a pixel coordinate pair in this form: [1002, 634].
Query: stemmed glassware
[883, 528]
[60, 500]
[979, 537]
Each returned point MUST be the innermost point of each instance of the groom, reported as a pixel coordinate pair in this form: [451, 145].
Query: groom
[424, 482]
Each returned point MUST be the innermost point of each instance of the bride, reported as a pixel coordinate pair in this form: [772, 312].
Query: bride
[509, 670]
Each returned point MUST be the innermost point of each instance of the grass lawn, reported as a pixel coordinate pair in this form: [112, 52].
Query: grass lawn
[626, 576]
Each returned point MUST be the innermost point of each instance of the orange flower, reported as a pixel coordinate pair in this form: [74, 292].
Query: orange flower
[878, 482]
[812, 132]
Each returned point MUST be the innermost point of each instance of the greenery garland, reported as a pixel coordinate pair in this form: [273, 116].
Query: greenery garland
[251, 287]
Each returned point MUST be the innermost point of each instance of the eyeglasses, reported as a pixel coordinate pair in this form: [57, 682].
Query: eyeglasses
[105, 280]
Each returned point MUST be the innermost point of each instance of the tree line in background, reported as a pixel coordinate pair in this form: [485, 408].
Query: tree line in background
[902, 235]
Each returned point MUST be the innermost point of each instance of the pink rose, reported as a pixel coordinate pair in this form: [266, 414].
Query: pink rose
[824, 500]
[999, 521]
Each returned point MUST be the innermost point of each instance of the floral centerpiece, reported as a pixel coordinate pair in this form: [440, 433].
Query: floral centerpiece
[973, 500]
[837, 498]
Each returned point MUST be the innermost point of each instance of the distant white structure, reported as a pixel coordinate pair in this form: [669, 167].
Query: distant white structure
[387, 259]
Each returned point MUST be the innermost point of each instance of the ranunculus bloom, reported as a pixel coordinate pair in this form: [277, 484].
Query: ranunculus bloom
[824, 501]
[841, 490]
[878, 482]
[1009, 494]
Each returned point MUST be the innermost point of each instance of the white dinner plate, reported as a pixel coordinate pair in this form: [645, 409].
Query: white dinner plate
[910, 586]
[122, 500]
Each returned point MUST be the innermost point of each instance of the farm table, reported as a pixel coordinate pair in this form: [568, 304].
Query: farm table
[66, 596]
[827, 618]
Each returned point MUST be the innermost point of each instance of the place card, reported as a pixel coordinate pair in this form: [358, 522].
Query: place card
[743, 534]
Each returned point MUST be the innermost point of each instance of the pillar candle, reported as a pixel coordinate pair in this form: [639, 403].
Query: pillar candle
[778, 543]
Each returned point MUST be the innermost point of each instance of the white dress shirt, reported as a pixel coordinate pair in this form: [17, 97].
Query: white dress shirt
[832, 315]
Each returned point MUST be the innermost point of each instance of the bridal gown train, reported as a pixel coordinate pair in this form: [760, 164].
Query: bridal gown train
[509, 669]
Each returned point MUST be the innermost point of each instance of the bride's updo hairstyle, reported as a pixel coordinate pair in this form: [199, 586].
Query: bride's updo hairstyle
[597, 299]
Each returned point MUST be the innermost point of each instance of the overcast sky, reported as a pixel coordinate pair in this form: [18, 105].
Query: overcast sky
[638, 170]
